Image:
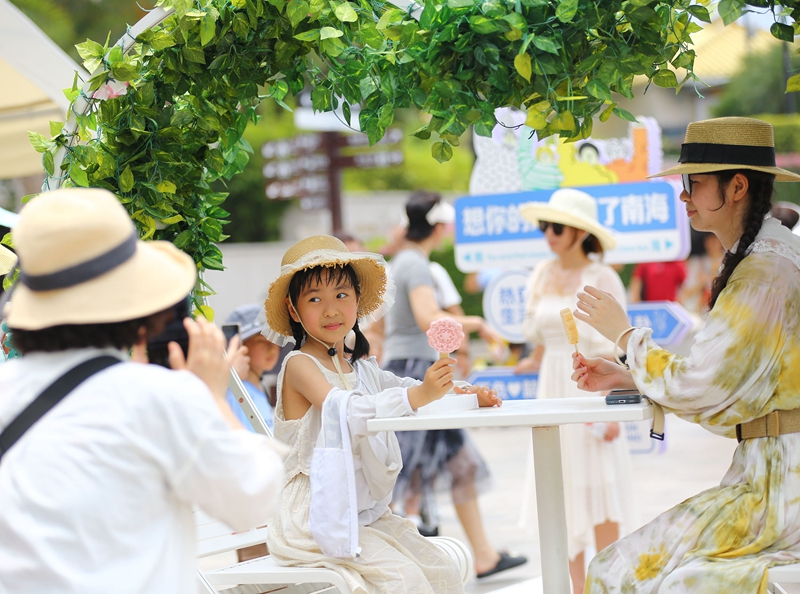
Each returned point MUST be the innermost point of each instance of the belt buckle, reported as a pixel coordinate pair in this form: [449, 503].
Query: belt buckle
[773, 424]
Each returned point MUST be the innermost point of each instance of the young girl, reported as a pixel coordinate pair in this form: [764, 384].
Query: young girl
[321, 292]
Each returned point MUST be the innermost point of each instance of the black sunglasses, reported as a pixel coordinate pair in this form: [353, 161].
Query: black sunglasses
[687, 184]
[558, 228]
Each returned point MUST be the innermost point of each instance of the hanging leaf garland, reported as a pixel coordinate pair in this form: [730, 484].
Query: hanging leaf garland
[167, 118]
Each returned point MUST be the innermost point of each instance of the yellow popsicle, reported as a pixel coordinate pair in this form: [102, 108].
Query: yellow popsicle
[570, 328]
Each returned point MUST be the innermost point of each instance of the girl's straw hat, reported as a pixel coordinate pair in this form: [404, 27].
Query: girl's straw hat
[324, 250]
[7, 260]
[81, 263]
[723, 144]
[572, 208]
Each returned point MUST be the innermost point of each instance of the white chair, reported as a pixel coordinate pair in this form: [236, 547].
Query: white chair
[263, 575]
[782, 574]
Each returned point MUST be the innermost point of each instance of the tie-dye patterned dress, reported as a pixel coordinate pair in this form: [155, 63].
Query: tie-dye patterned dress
[744, 364]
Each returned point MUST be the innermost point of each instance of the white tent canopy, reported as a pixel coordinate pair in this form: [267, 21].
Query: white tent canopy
[33, 73]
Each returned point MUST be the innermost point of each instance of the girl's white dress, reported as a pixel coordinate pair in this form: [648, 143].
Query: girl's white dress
[598, 479]
[394, 557]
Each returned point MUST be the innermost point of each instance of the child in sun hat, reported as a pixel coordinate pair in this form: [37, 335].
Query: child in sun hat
[97, 494]
[740, 380]
[321, 293]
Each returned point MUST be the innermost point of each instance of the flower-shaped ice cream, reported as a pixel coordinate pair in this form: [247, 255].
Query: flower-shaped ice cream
[445, 335]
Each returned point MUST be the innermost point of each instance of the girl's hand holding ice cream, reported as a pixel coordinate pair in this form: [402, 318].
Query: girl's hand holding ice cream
[486, 397]
[438, 382]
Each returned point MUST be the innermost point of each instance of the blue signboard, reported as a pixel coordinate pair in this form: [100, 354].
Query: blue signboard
[647, 217]
[669, 321]
[504, 304]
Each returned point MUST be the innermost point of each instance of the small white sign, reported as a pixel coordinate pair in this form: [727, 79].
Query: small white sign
[504, 304]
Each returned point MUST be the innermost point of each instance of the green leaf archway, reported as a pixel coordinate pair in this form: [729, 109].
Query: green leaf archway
[163, 114]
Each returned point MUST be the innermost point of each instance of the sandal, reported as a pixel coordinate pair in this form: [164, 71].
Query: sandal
[506, 561]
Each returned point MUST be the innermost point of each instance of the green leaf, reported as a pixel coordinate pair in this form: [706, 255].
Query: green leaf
[442, 151]
[241, 26]
[598, 89]
[456, 4]
[312, 35]
[196, 54]
[389, 18]
[297, 10]
[115, 55]
[330, 33]
[484, 26]
[39, 142]
[782, 32]
[546, 44]
[345, 13]
[793, 84]
[55, 128]
[161, 40]
[47, 161]
[124, 72]
[207, 30]
[522, 64]
[183, 239]
[166, 187]
[90, 49]
[665, 78]
[624, 114]
[566, 10]
[700, 12]
[78, 175]
[684, 60]
[126, 180]
[367, 86]
[730, 10]
[239, 3]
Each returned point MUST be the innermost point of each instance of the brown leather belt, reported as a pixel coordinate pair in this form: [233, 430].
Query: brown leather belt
[779, 422]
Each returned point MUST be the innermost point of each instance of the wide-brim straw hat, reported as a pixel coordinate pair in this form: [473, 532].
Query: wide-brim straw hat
[81, 263]
[327, 251]
[7, 260]
[723, 144]
[573, 208]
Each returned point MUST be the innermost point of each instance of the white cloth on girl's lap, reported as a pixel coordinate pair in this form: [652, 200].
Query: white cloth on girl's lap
[97, 496]
[394, 557]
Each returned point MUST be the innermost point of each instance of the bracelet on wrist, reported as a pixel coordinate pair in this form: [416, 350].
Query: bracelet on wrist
[617, 347]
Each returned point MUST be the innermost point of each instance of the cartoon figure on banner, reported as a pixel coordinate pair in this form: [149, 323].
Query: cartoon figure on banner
[515, 160]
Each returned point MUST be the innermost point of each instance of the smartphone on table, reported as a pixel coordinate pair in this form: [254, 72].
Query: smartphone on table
[624, 397]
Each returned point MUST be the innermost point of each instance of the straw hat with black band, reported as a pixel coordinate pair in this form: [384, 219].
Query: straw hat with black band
[572, 208]
[375, 288]
[81, 262]
[723, 144]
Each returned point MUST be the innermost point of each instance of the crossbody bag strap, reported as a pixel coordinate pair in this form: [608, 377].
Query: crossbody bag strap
[51, 396]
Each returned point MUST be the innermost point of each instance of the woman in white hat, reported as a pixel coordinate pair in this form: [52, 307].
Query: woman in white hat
[740, 380]
[597, 472]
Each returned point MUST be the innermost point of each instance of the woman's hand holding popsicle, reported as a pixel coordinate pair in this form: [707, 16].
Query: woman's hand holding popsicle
[600, 375]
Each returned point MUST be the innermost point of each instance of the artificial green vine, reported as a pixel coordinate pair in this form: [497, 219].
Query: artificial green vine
[167, 118]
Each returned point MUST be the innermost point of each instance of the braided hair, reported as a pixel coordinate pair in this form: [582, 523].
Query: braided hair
[761, 186]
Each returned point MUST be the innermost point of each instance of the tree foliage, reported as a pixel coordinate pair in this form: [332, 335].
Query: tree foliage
[167, 118]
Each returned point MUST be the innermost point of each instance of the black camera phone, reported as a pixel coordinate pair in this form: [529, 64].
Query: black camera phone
[230, 330]
[174, 331]
[624, 397]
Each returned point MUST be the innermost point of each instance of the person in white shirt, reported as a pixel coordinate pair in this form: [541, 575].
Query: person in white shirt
[97, 495]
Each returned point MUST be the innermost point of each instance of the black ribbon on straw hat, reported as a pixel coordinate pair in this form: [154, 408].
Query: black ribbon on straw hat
[77, 274]
[701, 152]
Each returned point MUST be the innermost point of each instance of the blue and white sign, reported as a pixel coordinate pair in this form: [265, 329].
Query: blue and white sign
[669, 321]
[509, 386]
[647, 217]
[504, 303]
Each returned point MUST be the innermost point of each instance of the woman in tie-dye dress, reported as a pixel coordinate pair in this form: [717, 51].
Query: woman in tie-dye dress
[744, 365]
